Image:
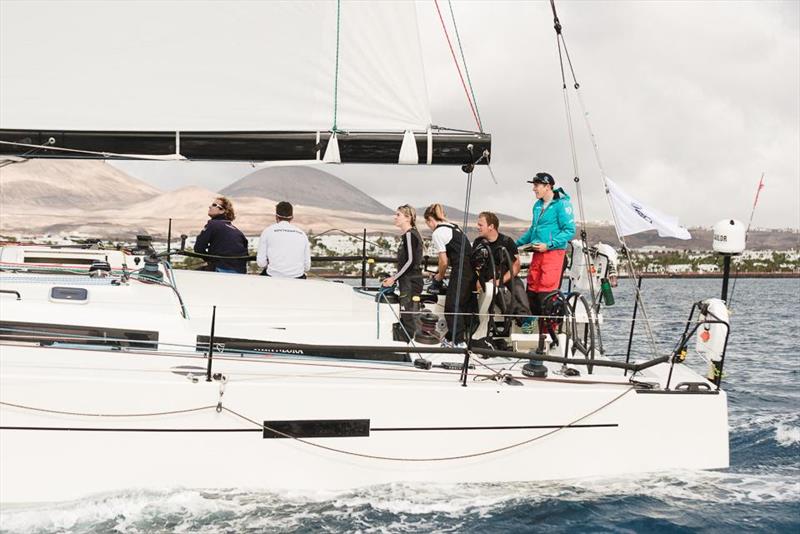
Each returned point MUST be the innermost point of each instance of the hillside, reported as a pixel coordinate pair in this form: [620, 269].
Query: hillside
[56, 184]
[187, 207]
[305, 185]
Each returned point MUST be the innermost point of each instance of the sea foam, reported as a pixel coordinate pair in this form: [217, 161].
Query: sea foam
[787, 435]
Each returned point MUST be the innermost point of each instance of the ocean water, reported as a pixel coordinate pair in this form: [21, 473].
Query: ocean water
[760, 492]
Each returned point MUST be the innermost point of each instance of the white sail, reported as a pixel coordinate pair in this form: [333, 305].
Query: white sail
[165, 66]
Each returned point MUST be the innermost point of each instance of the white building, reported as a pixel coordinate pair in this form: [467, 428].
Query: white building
[679, 268]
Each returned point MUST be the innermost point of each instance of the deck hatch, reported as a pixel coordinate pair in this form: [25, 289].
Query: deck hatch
[317, 428]
[69, 293]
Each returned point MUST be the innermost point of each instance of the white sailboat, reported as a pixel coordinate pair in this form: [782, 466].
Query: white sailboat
[118, 372]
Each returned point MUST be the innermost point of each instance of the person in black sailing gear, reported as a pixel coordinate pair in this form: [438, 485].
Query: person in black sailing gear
[503, 250]
[453, 250]
[409, 268]
[220, 237]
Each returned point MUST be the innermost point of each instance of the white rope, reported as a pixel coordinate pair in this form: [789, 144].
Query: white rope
[166, 157]
[440, 458]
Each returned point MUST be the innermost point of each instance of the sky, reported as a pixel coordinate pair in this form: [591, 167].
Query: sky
[689, 101]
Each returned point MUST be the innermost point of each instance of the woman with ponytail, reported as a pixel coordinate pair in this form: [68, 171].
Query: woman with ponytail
[453, 250]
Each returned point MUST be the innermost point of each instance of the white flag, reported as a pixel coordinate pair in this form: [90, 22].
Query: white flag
[634, 217]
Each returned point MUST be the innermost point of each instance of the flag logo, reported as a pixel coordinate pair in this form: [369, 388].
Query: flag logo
[638, 209]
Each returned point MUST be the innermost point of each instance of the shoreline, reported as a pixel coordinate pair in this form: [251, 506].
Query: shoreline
[717, 275]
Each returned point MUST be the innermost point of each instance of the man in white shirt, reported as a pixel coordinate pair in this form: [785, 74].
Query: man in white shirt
[283, 249]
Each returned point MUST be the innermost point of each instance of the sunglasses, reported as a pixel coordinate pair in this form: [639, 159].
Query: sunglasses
[215, 205]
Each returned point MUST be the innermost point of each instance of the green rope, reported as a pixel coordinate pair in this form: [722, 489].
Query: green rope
[464, 61]
[336, 75]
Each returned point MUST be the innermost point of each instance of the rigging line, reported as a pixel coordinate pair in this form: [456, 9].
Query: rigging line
[460, 272]
[87, 414]
[334, 128]
[620, 237]
[576, 85]
[573, 151]
[729, 304]
[174, 285]
[434, 459]
[293, 321]
[466, 69]
[458, 68]
[346, 233]
[105, 155]
[290, 360]
[447, 129]
[24, 156]
[410, 338]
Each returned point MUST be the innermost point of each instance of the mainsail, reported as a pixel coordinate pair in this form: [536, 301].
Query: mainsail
[218, 80]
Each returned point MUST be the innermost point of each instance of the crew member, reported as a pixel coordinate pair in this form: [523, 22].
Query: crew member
[453, 250]
[283, 249]
[220, 237]
[551, 229]
[409, 268]
[502, 248]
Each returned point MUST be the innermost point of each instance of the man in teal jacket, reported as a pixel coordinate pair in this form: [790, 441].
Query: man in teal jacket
[552, 227]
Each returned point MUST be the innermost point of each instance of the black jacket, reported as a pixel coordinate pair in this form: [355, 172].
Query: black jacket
[409, 255]
[221, 238]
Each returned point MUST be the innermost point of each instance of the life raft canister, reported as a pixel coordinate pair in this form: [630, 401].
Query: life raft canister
[711, 337]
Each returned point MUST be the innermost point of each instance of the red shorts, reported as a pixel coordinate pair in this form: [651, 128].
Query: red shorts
[544, 274]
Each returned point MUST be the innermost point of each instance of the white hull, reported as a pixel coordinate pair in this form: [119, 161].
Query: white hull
[75, 421]
[412, 414]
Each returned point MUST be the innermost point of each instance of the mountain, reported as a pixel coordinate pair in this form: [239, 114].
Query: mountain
[40, 197]
[305, 185]
[79, 184]
[187, 207]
